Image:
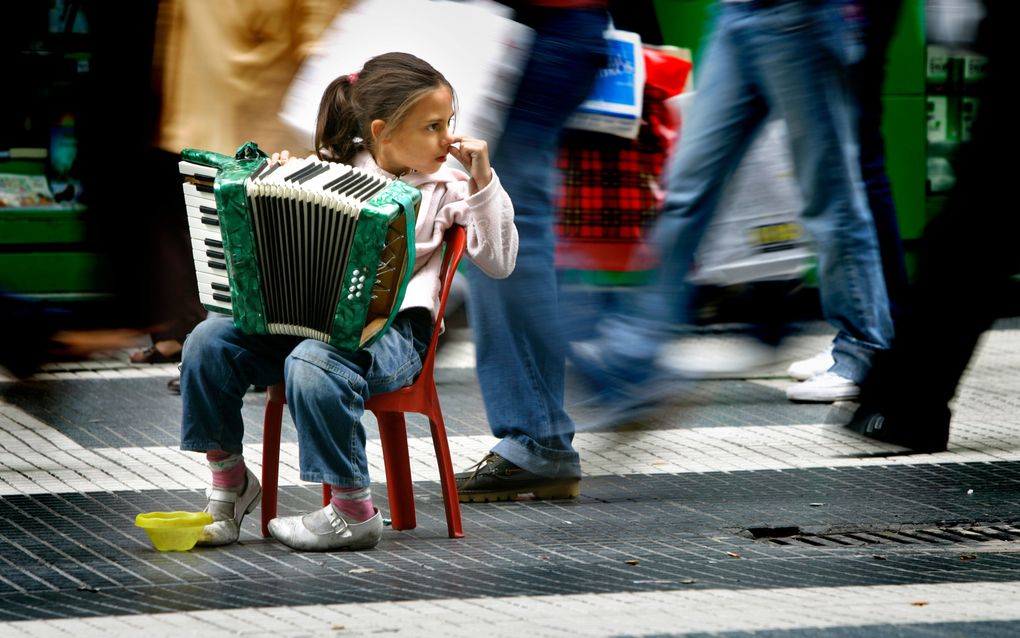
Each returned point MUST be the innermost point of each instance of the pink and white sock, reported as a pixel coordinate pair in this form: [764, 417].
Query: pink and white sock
[355, 503]
[228, 470]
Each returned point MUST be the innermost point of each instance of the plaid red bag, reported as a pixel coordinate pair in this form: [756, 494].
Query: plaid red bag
[611, 190]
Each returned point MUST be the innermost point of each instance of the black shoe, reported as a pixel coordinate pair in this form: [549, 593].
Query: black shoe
[497, 479]
[174, 385]
[925, 431]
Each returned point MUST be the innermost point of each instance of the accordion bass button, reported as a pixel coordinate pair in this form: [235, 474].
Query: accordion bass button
[349, 297]
[356, 273]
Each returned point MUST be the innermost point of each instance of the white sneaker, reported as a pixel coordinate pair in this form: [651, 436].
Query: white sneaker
[806, 368]
[717, 359]
[824, 388]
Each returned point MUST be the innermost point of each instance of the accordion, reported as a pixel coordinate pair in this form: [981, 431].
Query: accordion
[309, 248]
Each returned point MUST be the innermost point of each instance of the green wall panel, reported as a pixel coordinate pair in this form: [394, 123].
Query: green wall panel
[50, 273]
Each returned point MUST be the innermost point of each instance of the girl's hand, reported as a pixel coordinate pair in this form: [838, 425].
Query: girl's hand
[473, 154]
[282, 157]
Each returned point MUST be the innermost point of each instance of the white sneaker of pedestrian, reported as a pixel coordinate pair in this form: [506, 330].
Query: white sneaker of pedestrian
[824, 388]
[731, 358]
[806, 368]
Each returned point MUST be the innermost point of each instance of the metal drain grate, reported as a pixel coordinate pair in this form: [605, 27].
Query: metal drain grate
[793, 537]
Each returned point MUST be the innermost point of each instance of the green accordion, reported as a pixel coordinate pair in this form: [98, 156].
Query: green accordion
[309, 248]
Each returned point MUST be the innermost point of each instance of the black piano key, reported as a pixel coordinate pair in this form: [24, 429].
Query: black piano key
[215, 254]
[329, 185]
[301, 172]
[354, 185]
[218, 265]
[341, 182]
[219, 297]
[213, 243]
[215, 285]
[208, 210]
[212, 221]
[272, 168]
[204, 188]
[258, 169]
[362, 192]
[318, 171]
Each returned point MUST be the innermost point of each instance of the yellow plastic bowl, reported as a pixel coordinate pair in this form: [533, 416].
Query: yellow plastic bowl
[173, 531]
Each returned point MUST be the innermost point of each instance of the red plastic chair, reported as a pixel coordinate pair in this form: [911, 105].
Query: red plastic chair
[389, 409]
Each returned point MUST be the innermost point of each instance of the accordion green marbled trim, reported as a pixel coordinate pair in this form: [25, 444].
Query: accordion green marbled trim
[398, 198]
[239, 245]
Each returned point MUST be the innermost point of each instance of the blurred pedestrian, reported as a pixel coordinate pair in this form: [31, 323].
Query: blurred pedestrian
[515, 321]
[36, 332]
[785, 58]
[965, 265]
[872, 24]
[223, 70]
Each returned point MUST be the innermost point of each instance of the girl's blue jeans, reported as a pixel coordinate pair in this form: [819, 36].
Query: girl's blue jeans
[326, 389]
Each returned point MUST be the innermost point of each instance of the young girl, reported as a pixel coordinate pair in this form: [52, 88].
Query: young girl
[393, 118]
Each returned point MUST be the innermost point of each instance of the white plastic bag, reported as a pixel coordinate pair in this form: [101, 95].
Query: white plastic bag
[479, 49]
[756, 234]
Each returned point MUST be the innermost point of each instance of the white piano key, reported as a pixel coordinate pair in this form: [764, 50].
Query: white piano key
[208, 301]
[190, 190]
[196, 170]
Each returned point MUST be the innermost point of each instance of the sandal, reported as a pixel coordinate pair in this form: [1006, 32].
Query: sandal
[153, 355]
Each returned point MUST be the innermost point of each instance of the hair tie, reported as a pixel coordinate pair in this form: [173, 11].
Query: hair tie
[352, 78]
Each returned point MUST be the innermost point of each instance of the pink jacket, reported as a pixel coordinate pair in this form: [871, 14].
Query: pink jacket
[488, 217]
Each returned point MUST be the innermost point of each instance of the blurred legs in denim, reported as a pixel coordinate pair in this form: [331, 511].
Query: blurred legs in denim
[515, 321]
[787, 59]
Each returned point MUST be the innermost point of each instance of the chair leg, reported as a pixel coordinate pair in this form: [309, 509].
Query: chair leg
[449, 485]
[393, 436]
[270, 461]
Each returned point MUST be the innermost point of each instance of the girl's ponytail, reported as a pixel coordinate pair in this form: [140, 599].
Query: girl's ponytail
[337, 129]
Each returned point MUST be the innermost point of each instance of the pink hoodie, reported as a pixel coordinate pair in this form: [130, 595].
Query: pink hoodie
[488, 217]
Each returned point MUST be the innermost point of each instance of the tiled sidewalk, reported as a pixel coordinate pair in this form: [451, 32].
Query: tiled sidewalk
[84, 448]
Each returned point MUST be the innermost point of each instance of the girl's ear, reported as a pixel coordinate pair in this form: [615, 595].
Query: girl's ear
[378, 126]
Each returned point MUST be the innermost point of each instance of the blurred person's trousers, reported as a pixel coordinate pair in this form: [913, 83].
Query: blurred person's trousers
[877, 23]
[788, 58]
[515, 321]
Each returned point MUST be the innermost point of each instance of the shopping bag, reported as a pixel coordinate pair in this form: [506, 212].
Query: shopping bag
[483, 62]
[614, 105]
[611, 190]
[756, 234]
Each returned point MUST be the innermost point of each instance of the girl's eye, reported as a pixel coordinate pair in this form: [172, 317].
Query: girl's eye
[434, 126]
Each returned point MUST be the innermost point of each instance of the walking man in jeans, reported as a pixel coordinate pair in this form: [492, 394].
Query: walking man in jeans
[515, 321]
[787, 58]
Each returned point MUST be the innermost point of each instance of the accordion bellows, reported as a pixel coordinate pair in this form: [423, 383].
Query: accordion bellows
[309, 248]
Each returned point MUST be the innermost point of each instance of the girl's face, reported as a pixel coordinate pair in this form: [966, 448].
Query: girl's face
[422, 140]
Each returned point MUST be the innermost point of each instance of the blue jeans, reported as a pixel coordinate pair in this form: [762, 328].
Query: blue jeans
[326, 390]
[520, 353]
[789, 59]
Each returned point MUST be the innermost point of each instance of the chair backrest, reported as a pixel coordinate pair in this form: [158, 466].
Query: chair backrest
[455, 240]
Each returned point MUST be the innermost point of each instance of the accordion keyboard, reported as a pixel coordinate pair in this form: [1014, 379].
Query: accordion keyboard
[309, 248]
[206, 237]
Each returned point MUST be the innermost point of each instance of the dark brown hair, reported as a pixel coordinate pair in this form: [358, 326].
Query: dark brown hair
[385, 89]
